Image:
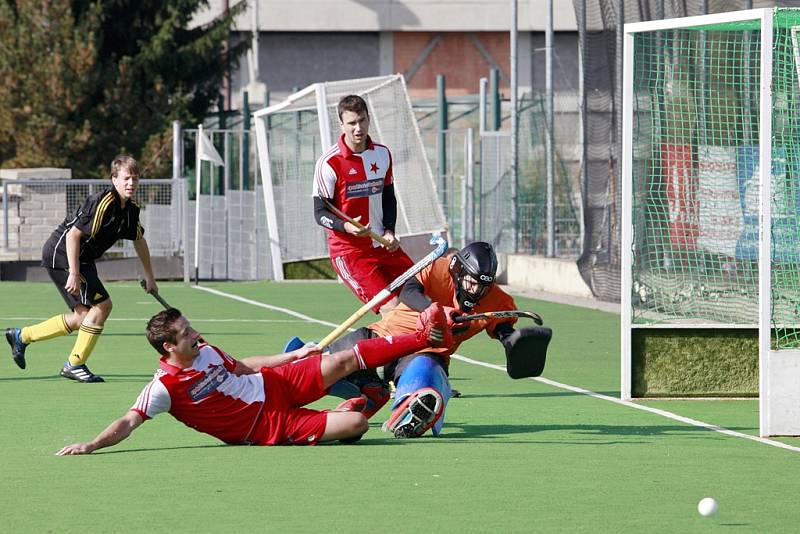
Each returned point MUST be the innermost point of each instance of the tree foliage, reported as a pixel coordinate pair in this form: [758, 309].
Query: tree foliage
[85, 80]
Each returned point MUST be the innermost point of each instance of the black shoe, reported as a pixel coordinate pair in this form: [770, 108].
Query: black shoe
[14, 338]
[80, 373]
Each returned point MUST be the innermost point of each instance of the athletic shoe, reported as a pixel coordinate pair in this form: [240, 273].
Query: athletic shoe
[356, 404]
[14, 338]
[377, 394]
[80, 373]
[415, 415]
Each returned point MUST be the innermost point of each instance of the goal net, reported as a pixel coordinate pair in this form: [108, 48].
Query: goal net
[291, 136]
[711, 274]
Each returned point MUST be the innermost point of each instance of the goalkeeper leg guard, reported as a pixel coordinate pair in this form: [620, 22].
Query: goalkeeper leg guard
[424, 371]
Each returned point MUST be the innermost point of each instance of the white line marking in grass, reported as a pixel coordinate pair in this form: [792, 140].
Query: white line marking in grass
[575, 389]
[629, 404]
[263, 305]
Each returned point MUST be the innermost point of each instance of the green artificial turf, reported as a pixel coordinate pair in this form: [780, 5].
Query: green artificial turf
[515, 455]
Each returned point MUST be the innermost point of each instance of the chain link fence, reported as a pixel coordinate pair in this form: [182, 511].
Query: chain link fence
[32, 209]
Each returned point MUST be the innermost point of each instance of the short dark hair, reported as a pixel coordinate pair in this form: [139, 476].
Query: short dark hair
[161, 328]
[352, 103]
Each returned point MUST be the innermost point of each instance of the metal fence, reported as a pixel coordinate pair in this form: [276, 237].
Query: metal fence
[474, 177]
[32, 209]
[233, 240]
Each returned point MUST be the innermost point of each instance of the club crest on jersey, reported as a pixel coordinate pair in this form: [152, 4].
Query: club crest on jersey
[364, 188]
[216, 375]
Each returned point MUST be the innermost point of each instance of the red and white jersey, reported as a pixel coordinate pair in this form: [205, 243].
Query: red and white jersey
[355, 184]
[206, 396]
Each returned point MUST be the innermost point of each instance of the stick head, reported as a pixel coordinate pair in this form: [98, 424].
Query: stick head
[531, 315]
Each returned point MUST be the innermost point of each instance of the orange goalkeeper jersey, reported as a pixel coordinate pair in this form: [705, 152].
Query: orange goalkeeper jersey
[439, 286]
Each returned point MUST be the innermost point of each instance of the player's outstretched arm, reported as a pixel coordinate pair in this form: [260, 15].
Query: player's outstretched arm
[113, 434]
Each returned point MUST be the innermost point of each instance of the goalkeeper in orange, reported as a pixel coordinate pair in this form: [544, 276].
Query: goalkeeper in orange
[464, 283]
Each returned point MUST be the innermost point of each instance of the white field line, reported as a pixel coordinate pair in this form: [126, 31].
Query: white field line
[263, 305]
[547, 381]
[629, 404]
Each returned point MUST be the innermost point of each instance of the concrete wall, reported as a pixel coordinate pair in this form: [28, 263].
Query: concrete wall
[289, 60]
[33, 211]
[396, 15]
[538, 273]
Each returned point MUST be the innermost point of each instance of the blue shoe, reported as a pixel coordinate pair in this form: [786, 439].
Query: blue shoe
[79, 373]
[14, 338]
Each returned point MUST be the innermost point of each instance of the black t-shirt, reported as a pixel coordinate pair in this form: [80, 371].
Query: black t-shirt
[102, 220]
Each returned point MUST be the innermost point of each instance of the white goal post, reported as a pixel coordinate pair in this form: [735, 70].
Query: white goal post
[711, 205]
[292, 134]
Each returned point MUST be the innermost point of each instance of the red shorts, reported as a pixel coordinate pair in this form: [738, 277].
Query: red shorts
[368, 272]
[288, 388]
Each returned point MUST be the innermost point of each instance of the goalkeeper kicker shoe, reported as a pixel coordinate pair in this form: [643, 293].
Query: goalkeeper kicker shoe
[416, 414]
[80, 373]
[14, 338]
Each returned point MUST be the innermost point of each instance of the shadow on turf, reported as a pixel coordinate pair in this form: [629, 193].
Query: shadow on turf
[590, 430]
[155, 449]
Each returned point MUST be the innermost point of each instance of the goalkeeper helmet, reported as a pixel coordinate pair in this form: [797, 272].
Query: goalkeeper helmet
[473, 269]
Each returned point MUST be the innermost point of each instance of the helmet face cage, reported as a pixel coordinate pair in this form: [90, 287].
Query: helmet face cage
[475, 267]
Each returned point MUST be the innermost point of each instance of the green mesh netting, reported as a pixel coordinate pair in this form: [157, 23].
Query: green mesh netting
[696, 160]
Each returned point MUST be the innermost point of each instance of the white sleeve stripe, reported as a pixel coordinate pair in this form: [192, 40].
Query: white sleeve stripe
[361, 364]
[153, 399]
[144, 398]
[319, 178]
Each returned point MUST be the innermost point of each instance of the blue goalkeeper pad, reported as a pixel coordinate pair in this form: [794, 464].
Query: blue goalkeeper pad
[424, 372]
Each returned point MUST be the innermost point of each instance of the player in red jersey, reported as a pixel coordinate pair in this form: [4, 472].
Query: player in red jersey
[258, 400]
[355, 176]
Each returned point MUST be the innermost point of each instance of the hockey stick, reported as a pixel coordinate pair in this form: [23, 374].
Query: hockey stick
[155, 295]
[441, 247]
[342, 215]
[499, 315]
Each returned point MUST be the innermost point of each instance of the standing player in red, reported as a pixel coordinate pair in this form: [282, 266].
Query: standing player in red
[258, 400]
[355, 175]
